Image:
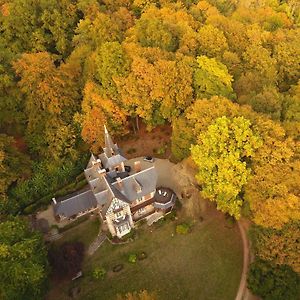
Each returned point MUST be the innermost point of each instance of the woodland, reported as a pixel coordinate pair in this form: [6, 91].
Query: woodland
[225, 74]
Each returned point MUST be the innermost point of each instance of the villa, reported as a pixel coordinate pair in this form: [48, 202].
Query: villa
[120, 195]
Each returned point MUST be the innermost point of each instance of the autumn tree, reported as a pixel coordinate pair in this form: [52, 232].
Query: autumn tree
[212, 41]
[39, 26]
[51, 100]
[142, 295]
[23, 261]
[272, 193]
[98, 110]
[269, 101]
[278, 246]
[211, 78]
[222, 155]
[157, 90]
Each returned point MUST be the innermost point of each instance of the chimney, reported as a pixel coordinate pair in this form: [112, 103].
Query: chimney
[120, 183]
[54, 201]
[101, 172]
[137, 166]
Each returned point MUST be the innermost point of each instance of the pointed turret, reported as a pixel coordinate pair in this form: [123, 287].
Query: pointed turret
[110, 148]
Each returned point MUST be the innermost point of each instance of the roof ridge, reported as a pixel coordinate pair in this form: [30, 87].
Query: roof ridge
[75, 196]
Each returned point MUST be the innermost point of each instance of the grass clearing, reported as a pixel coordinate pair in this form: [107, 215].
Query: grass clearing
[203, 264]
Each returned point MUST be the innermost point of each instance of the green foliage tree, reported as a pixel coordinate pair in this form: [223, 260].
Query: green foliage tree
[14, 166]
[273, 282]
[39, 26]
[23, 261]
[211, 78]
[222, 156]
[111, 62]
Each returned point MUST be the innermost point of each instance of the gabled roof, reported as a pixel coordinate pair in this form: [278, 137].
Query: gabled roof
[109, 162]
[92, 159]
[146, 179]
[76, 204]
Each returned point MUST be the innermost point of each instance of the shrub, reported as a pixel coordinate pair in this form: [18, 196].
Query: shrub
[160, 222]
[129, 235]
[171, 216]
[99, 273]
[161, 150]
[142, 255]
[183, 228]
[132, 258]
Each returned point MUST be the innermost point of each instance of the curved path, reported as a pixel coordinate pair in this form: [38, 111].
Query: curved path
[242, 291]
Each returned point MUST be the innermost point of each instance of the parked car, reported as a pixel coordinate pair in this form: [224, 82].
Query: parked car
[127, 169]
[148, 159]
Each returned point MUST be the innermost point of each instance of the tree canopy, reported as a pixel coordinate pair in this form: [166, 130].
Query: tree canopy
[23, 261]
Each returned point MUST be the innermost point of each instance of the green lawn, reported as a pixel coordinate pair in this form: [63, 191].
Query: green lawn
[204, 264]
[85, 232]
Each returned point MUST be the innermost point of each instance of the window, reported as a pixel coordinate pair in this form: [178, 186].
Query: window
[123, 227]
[139, 199]
[118, 214]
[141, 210]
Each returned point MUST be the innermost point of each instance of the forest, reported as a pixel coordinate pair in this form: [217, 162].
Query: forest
[225, 74]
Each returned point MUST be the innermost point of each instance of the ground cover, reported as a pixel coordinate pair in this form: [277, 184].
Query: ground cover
[85, 232]
[155, 142]
[203, 264]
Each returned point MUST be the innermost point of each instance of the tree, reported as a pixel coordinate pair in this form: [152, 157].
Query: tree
[258, 65]
[23, 261]
[45, 25]
[157, 89]
[212, 41]
[67, 259]
[287, 54]
[142, 295]
[111, 63]
[272, 193]
[280, 246]
[268, 101]
[51, 100]
[97, 111]
[272, 282]
[14, 166]
[153, 32]
[211, 78]
[96, 29]
[222, 156]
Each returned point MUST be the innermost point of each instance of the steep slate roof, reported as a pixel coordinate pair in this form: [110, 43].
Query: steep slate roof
[102, 197]
[109, 162]
[146, 179]
[75, 204]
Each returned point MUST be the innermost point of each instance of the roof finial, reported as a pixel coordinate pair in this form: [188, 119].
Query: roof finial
[105, 129]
